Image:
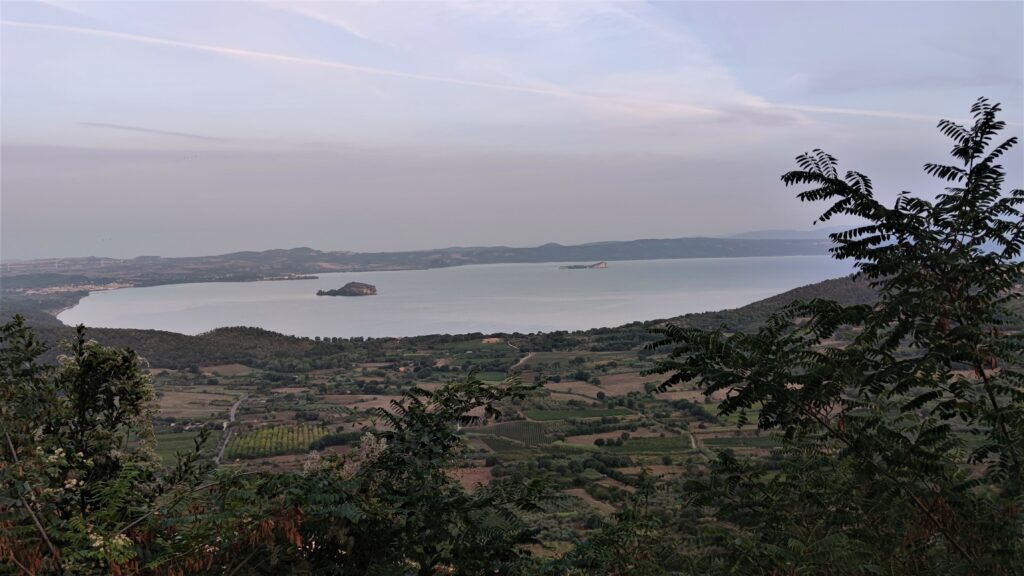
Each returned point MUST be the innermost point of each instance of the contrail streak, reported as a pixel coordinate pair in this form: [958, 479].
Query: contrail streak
[269, 56]
[155, 131]
[386, 72]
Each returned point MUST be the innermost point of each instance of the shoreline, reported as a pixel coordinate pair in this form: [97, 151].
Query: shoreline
[361, 270]
[642, 305]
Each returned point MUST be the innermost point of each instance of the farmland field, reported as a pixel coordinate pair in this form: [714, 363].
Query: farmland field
[193, 404]
[491, 376]
[742, 442]
[500, 444]
[227, 369]
[622, 384]
[575, 387]
[170, 443]
[547, 415]
[274, 441]
[668, 444]
[529, 433]
[733, 418]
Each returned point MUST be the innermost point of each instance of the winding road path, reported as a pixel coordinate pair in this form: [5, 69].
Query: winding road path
[522, 361]
[227, 430]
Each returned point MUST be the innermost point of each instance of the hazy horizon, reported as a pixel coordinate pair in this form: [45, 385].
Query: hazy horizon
[209, 128]
[806, 235]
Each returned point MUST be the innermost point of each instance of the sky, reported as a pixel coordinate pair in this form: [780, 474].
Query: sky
[194, 128]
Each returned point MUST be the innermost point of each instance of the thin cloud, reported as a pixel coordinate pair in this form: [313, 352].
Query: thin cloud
[875, 113]
[155, 131]
[62, 6]
[607, 100]
[333, 21]
[856, 112]
[269, 56]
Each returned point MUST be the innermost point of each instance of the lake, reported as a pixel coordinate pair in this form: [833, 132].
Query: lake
[486, 298]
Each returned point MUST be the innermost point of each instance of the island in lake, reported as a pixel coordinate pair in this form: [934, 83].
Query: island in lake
[351, 289]
[596, 266]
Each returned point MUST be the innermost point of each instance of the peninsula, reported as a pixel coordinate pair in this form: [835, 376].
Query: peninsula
[596, 266]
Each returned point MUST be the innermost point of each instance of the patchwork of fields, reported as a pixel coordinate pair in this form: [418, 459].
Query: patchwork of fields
[591, 426]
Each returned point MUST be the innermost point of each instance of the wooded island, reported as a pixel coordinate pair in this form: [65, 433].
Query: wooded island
[351, 289]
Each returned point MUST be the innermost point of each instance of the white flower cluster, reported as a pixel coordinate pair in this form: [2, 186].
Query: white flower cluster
[119, 541]
[312, 463]
[370, 449]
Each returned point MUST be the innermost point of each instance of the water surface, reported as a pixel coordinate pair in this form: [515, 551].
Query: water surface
[486, 298]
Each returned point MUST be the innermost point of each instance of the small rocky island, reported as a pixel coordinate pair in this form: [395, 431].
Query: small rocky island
[351, 289]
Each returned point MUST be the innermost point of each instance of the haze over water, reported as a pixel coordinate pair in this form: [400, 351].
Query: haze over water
[486, 298]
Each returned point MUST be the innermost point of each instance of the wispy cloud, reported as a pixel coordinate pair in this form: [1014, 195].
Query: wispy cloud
[678, 108]
[155, 131]
[607, 101]
[855, 112]
[66, 7]
[330, 20]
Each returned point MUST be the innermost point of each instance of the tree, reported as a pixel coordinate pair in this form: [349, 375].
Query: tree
[905, 445]
[83, 492]
[392, 508]
[78, 465]
[631, 544]
[422, 511]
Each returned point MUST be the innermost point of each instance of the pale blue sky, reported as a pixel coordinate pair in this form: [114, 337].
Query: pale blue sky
[198, 127]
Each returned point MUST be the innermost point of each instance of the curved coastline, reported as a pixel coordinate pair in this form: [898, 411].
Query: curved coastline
[464, 299]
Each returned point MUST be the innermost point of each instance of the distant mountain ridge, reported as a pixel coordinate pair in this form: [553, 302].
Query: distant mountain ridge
[783, 234]
[287, 263]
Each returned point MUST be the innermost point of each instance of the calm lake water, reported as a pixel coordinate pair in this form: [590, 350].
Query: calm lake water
[487, 298]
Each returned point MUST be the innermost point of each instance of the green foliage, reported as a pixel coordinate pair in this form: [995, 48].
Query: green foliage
[78, 465]
[169, 445]
[83, 491]
[438, 522]
[631, 544]
[906, 444]
[389, 508]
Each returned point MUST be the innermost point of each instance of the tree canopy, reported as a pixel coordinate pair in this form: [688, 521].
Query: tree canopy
[906, 443]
